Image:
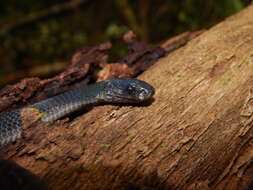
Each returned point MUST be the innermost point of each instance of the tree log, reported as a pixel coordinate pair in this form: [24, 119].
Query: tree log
[195, 134]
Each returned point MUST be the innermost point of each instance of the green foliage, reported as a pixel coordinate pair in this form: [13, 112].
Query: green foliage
[114, 30]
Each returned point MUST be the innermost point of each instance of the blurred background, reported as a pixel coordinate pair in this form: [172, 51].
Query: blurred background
[37, 38]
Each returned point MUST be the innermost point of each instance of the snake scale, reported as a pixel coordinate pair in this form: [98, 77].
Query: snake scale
[109, 91]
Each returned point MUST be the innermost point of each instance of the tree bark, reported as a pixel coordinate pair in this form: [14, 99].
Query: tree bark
[195, 134]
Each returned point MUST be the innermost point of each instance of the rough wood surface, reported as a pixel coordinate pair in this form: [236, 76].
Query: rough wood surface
[196, 134]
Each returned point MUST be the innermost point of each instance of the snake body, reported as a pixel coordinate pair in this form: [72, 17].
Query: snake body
[51, 109]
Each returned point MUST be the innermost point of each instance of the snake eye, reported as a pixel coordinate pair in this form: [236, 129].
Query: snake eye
[130, 90]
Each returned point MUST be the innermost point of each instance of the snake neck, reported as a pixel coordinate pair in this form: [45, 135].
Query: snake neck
[66, 103]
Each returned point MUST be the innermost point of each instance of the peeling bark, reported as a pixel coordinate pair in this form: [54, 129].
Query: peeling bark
[196, 134]
[31, 90]
[82, 70]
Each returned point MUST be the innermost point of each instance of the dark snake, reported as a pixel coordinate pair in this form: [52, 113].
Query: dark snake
[108, 91]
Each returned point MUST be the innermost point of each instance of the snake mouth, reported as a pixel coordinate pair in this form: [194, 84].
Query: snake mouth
[123, 99]
[137, 96]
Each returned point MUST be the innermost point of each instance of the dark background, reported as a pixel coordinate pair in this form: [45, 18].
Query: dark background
[37, 38]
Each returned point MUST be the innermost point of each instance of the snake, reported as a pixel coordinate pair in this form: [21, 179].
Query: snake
[117, 90]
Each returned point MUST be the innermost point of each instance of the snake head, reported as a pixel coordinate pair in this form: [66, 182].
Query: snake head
[126, 91]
